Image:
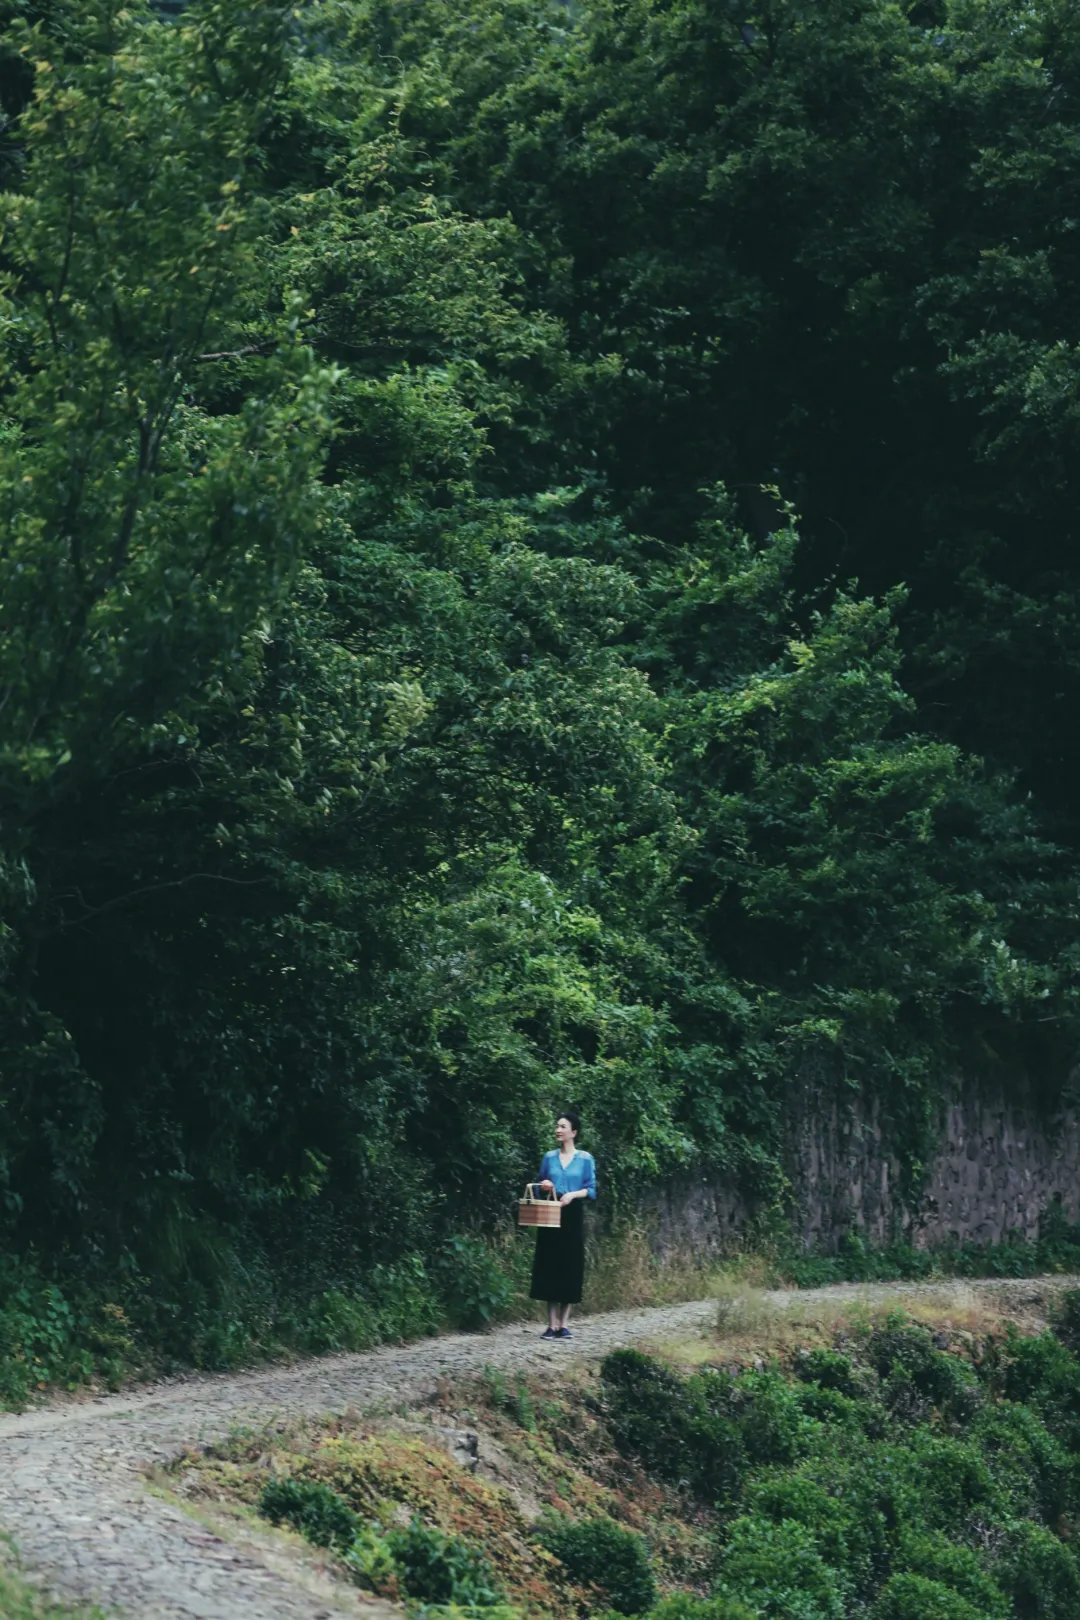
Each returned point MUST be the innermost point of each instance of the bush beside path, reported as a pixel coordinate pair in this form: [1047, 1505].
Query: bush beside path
[75, 1497]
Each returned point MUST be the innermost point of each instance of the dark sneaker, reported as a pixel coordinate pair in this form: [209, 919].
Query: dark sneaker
[563, 1333]
[549, 1333]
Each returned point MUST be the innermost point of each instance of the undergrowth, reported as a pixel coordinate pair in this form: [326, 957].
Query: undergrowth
[882, 1470]
[1056, 1249]
[61, 1331]
[20, 1601]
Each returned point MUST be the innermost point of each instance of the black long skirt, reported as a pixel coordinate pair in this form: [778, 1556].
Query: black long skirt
[559, 1261]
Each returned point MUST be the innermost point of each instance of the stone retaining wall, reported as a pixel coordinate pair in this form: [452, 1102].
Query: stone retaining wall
[999, 1165]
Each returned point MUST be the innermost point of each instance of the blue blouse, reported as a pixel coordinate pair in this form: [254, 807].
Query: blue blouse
[580, 1172]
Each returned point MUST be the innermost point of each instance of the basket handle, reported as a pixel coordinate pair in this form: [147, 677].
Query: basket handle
[531, 1198]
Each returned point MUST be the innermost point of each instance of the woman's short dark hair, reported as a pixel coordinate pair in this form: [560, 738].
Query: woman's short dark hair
[572, 1119]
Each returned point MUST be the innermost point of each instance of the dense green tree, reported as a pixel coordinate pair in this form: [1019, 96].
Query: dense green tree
[832, 247]
[144, 538]
[401, 731]
[320, 786]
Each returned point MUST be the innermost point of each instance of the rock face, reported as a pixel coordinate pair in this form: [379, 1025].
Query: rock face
[463, 1446]
[999, 1165]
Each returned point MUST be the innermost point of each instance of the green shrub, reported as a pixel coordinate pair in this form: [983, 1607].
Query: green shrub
[778, 1570]
[53, 1335]
[339, 1321]
[404, 1300]
[678, 1428]
[601, 1553]
[648, 1412]
[830, 1369]
[1032, 1470]
[1043, 1373]
[397, 1301]
[771, 1421]
[476, 1289]
[845, 1537]
[931, 1555]
[858, 1261]
[918, 1376]
[882, 1481]
[1058, 1243]
[953, 1387]
[370, 1561]
[841, 1412]
[913, 1597]
[951, 1478]
[899, 1341]
[314, 1509]
[681, 1606]
[1040, 1575]
[468, 1611]
[1065, 1319]
[434, 1568]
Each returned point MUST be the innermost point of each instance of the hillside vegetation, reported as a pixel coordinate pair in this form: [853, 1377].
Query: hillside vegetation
[538, 565]
[879, 1468]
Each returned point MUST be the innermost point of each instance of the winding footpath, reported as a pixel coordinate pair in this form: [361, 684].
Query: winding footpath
[75, 1498]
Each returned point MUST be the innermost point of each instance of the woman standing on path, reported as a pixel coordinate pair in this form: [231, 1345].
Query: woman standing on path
[559, 1262]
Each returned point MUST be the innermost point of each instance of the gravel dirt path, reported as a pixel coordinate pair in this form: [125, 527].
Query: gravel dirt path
[74, 1496]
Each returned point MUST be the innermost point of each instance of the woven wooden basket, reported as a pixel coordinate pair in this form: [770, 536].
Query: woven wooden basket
[533, 1211]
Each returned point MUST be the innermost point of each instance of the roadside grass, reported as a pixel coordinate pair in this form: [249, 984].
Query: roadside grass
[21, 1601]
[59, 1336]
[751, 1326]
[624, 1272]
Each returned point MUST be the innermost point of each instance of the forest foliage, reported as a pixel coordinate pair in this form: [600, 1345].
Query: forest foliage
[537, 565]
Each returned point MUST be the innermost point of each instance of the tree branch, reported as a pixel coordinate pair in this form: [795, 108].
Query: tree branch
[238, 354]
[150, 888]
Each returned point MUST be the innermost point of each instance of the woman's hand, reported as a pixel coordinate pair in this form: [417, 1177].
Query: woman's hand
[568, 1198]
[546, 1186]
